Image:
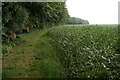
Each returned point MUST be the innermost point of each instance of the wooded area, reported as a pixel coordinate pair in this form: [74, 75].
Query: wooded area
[74, 20]
[21, 17]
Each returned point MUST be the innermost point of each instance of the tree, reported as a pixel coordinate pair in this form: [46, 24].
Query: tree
[26, 15]
[14, 18]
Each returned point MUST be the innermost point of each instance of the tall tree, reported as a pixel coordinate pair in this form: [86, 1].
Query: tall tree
[14, 18]
[25, 15]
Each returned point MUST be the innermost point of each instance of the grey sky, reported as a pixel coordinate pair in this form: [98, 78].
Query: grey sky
[95, 11]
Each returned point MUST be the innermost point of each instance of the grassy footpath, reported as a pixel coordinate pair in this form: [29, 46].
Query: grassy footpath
[34, 58]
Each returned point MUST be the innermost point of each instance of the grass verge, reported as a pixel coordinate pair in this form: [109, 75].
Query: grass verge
[33, 58]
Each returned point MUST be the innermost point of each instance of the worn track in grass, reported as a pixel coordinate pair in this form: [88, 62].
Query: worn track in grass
[34, 58]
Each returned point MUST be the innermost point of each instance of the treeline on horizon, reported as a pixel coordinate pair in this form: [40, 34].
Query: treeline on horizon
[23, 16]
[74, 20]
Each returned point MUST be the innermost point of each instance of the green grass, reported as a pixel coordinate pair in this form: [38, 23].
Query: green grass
[34, 58]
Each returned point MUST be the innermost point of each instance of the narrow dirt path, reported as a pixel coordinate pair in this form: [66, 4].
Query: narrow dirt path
[17, 64]
[34, 58]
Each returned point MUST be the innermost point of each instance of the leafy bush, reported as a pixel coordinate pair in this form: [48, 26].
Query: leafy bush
[6, 49]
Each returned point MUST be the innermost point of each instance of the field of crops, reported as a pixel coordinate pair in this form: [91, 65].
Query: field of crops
[88, 51]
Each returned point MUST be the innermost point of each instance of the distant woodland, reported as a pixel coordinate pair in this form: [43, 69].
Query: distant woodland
[74, 20]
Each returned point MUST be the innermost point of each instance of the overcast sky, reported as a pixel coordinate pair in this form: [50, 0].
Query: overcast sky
[95, 11]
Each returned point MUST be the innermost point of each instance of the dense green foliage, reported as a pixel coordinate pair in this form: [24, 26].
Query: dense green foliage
[74, 20]
[26, 15]
[87, 51]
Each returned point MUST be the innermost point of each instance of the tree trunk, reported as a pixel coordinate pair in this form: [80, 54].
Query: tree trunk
[13, 35]
[27, 28]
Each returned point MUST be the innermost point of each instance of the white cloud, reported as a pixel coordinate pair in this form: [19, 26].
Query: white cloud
[95, 11]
